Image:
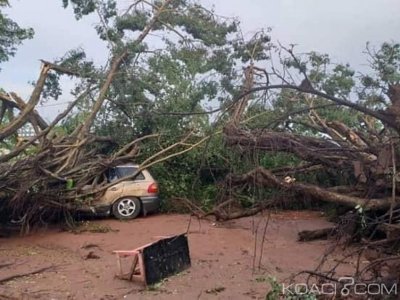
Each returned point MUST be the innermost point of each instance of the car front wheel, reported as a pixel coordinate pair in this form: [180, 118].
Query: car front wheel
[126, 208]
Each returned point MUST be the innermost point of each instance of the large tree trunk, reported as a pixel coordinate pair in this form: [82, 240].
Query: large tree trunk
[265, 178]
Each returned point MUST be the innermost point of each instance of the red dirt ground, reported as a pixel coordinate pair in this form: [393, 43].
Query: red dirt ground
[222, 258]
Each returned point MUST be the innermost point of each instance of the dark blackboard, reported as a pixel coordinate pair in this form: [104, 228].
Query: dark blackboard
[166, 257]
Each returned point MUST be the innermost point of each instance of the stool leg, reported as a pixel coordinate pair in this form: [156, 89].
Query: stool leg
[119, 267]
[142, 268]
[133, 267]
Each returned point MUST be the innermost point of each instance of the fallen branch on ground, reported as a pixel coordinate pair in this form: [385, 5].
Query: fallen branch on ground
[310, 235]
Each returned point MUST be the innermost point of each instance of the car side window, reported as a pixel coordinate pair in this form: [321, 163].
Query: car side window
[127, 171]
[111, 175]
[140, 176]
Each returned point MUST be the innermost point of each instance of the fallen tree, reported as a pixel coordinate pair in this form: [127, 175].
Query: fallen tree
[364, 154]
[359, 148]
[265, 178]
[46, 175]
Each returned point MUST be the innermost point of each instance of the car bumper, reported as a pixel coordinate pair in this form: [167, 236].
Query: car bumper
[150, 204]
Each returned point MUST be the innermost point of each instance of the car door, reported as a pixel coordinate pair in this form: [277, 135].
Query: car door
[132, 187]
[113, 193]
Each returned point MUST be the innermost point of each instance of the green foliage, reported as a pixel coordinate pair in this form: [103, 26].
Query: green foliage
[340, 82]
[193, 64]
[199, 23]
[386, 62]
[336, 81]
[76, 62]
[255, 49]
[182, 77]
[11, 35]
[107, 8]
[276, 292]
[276, 289]
[70, 123]
[187, 176]
[70, 184]
[385, 65]
[277, 160]
[133, 22]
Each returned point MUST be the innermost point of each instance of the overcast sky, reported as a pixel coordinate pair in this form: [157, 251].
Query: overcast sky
[340, 28]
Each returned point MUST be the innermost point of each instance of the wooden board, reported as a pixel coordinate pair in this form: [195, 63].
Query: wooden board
[166, 257]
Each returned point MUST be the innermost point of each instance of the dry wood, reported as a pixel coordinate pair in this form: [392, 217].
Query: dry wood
[45, 175]
[317, 234]
[15, 124]
[263, 177]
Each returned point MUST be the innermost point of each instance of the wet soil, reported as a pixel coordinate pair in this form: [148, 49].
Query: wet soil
[230, 260]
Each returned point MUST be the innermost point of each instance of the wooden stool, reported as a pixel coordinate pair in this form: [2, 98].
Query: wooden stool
[155, 261]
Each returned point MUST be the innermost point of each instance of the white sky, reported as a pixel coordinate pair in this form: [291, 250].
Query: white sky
[340, 28]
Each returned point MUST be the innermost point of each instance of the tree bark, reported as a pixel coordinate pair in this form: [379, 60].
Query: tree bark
[265, 178]
[318, 234]
[18, 122]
